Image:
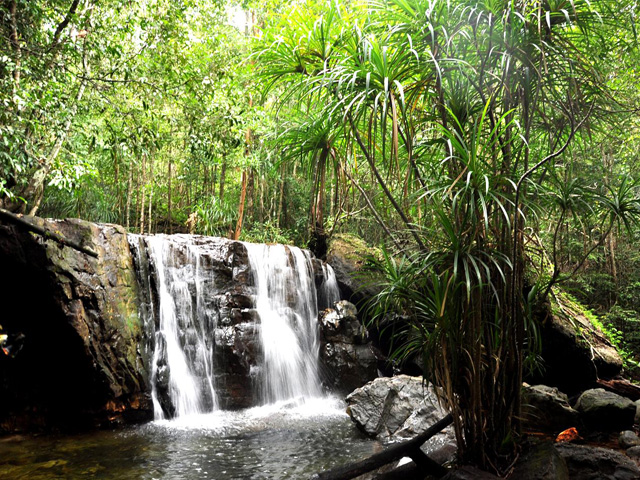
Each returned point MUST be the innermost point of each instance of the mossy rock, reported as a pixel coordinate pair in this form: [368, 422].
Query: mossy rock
[575, 352]
[348, 255]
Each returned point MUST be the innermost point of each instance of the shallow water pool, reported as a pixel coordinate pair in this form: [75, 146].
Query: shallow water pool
[272, 442]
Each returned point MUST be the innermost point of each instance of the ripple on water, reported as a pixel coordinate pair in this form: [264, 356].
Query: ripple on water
[281, 441]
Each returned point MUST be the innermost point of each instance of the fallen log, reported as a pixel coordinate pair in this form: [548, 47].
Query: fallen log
[9, 217]
[395, 452]
[408, 471]
[622, 387]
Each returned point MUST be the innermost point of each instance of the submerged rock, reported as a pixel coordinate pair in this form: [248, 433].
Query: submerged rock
[397, 408]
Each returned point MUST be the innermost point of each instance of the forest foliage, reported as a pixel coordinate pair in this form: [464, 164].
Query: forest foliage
[490, 148]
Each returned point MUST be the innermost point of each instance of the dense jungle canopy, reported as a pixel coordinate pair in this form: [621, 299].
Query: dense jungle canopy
[490, 148]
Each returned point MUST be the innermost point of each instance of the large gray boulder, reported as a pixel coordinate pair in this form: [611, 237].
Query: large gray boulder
[547, 409]
[347, 357]
[397, 408]
[80, 361]
[605, 411]
[595, 463]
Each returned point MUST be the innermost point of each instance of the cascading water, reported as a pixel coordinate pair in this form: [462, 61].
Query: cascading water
[182, 353]
[210, 323]
[221, 317]
[287, 305]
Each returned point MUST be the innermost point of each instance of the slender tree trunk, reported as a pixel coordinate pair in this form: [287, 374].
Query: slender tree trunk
[14, 39]
[151, 184]
[243, 194]
[169, 222]
[261, 197]
[223, 176]
[129, 193]
[281, 196]
[116, 168]
[214, 179]
[251, 191]
[142, 191]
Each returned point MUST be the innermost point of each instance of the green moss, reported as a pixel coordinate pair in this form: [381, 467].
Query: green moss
[352, 247]
[572, 308]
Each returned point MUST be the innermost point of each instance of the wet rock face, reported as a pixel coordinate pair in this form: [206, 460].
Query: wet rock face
[347, 357]
[219, 302]
[80, 361]
[212, 287]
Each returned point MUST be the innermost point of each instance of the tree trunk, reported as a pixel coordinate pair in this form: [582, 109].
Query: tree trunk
[243, 194]
[251, 191]
[142, 193]
[14, 39]
[151, 183]
[223, 177]
[281, 196]
[169, 223]
[129, 193]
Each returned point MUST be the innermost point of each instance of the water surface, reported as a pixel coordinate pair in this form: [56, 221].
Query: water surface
[272, 442]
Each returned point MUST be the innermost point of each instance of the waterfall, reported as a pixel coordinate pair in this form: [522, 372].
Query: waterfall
[182, 347]
[287, 306]
[329, 292]
[224, 317]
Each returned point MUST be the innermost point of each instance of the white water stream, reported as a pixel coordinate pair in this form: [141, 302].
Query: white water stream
[181, 336]
[287, 304]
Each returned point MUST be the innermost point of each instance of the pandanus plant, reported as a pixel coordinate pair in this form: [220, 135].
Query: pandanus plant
[450, 104]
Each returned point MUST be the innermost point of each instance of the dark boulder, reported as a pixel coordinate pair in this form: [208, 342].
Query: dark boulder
[605, 411]
[547, 409]
[575, 353]
[81, 360]
[541, 462]
[628, 439]
[347, 357]
[595, 463]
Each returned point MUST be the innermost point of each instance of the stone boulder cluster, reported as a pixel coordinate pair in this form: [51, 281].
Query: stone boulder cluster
[392, 409]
